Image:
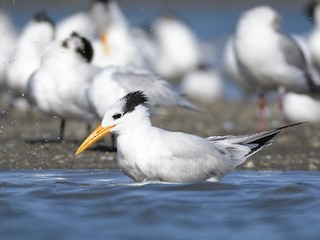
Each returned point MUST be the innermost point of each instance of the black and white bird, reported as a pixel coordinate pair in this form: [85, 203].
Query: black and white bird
[58, 86]
[148, 153]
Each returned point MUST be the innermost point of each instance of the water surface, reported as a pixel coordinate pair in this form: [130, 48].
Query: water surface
[74, 204]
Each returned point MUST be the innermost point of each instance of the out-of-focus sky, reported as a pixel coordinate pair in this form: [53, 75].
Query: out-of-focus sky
[209, 18]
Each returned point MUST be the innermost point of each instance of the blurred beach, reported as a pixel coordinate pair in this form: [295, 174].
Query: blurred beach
[28, 140]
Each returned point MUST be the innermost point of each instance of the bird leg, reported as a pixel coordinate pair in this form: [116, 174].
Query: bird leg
[262, 106]
[62, 127]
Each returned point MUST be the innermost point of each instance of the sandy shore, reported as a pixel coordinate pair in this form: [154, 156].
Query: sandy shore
[28, 138]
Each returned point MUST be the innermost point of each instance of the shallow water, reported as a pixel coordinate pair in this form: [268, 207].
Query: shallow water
[70, 204]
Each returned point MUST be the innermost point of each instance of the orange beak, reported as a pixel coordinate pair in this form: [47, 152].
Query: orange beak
[104, 40]
[97, 134]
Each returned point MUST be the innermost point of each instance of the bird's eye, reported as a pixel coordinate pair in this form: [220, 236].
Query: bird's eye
[116, 116]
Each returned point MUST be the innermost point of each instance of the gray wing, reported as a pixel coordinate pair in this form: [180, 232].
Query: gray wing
[294, 56]
[292, 52]
[158, 90]
[195, 158]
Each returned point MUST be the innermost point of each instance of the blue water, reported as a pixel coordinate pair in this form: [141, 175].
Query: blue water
[73, 204]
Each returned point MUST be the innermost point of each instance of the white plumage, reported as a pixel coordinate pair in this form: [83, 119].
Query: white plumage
[8, 39]
[301, 107]
[178, 48]
[58, 87]
[89, 23]
[113, 83]
[35, 37]
[117, 45]
[267, 58]
[148, 153]
[203, 84]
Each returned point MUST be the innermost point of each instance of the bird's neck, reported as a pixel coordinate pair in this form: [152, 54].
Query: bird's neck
[136, 127]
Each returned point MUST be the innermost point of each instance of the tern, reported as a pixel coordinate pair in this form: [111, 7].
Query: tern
[58, 86]
[114, 82]
[147, 153]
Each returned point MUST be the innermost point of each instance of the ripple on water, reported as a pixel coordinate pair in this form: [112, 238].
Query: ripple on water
[76, 204]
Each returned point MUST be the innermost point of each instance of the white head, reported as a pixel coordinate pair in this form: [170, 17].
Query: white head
[72, 51]
[257, 19]
[129, 112]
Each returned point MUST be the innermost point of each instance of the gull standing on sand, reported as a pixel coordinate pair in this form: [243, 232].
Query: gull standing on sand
[268, 59]
[35, 37]
[147, 153]
[114, 82]
[59, 85]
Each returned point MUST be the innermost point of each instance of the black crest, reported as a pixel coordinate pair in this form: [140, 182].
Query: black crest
[42, 17]
[134, 99]
[310, 9]
[86, 49]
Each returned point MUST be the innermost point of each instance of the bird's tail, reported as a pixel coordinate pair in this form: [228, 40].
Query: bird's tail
[252, 142]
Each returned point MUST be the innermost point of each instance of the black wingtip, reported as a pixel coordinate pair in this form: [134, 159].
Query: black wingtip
[291, 125]
[267, 138]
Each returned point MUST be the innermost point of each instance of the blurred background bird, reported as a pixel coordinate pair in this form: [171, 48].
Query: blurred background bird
[176, 58]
